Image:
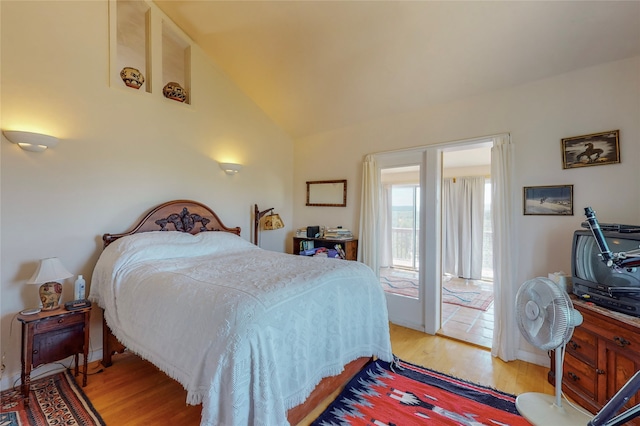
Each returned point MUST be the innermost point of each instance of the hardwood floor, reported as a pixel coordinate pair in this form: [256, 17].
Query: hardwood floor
[133, 392]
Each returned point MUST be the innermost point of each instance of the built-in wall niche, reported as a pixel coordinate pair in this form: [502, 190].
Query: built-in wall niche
[176, 59]
[130, 53]
[148, 53]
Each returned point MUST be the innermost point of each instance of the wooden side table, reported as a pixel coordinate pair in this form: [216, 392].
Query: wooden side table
[51, 336]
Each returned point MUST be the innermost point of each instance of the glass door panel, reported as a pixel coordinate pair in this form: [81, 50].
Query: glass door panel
[401, 275]
[400, 240]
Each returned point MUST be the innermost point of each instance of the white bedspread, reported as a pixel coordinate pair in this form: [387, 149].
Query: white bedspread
[247, 332]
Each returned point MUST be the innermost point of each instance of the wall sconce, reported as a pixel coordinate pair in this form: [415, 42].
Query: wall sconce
[273, 221]
[231, 168]
[34, 142]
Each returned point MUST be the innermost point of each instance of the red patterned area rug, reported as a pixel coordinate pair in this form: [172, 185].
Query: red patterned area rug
[53, 400]
[406, 394]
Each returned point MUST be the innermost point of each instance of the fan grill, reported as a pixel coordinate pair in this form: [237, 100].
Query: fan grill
[545, 314]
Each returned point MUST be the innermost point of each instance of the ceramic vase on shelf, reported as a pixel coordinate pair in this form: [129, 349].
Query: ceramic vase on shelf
[132, 77]
[173, 90]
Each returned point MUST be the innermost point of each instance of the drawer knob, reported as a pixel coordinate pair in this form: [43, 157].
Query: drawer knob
[60, 321]
[573, 344]
[573, 377]
[620, 341]
[599, 371]
[35, 351]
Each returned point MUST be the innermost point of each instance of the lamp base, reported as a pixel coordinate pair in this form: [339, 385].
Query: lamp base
[30, 311]
[50, 295]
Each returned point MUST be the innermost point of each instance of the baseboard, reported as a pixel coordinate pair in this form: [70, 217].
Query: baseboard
[12, 378]
[541, 359]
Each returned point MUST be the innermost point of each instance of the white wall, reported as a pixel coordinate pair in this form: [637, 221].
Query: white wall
[121, 152]
[538, 115]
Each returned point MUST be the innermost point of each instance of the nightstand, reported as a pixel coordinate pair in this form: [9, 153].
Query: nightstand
[50, 336]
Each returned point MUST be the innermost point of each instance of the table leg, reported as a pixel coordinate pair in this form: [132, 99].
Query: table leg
[25, 374]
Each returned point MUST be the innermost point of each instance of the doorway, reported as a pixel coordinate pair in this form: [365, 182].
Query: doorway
[425, 312]
[467, 253]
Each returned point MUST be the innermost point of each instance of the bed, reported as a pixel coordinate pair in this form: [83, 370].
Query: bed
[257, 337]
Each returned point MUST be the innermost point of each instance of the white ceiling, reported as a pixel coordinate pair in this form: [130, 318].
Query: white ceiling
[314, 66]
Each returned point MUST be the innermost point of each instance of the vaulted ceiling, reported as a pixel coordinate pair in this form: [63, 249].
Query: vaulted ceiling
[315, 66]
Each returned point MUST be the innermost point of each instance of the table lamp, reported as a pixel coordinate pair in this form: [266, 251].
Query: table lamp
[49, 272]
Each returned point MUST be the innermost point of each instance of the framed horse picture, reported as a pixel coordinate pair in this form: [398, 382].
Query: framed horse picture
[596, 149]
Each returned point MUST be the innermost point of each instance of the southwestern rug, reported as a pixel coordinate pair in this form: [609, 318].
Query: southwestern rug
[53, 400]
[401, 393]
[474, 294]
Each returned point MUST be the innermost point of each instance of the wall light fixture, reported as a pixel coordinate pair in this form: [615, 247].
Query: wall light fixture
[231, 168]
[34, 142]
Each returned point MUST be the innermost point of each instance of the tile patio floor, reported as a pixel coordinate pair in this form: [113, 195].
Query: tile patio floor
[461, 323]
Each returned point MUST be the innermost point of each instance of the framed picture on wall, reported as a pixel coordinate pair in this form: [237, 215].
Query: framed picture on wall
[596, 149]
[548, 200]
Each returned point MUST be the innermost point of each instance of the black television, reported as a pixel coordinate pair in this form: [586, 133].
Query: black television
[605, 266]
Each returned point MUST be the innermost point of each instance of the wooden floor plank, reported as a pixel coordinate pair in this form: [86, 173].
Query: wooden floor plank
[133, 392]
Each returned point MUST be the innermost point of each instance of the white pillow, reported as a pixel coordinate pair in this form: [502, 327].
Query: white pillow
[158, 245]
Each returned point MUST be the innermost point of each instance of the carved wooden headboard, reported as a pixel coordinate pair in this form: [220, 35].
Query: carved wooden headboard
[178, 215]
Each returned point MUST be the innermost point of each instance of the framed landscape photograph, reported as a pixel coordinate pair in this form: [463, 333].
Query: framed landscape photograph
[596, 149]
[548, 200]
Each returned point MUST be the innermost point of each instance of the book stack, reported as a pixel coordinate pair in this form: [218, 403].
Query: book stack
[306, 245]
[338, 234]
[301, 233]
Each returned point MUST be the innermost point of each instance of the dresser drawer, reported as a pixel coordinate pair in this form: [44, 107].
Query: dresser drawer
[580, 376]
[623, 339]
[60, 321]
[583, 345]
[615, 332]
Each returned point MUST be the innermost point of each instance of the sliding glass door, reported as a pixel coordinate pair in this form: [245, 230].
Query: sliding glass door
[405, 225]
[400, 219]
[404, 267]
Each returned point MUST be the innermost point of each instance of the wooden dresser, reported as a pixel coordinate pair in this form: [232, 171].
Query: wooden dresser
[601, 356]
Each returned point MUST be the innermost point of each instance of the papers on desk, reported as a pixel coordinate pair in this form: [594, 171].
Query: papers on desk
[338, 234]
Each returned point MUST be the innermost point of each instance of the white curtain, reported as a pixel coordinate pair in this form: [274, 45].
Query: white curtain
[463, 203]
[505, 331]
[450, 237]
[369, 209]
[386, 255]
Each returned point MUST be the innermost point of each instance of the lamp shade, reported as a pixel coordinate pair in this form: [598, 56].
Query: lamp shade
[273, 221]
[49, 270]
